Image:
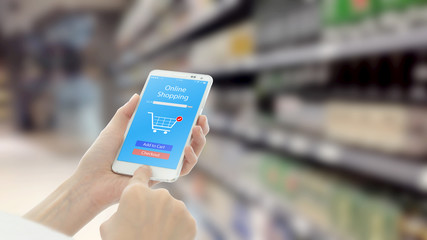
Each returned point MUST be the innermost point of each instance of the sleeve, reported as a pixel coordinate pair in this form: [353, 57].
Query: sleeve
[18, 228]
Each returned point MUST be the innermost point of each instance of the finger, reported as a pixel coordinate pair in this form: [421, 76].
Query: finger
[203, 122]
[190, 160]
[152, 183]
[120, 120]
[198, 141]
[141, 176]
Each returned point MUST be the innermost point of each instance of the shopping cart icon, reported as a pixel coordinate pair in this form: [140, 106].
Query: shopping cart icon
[163, 124]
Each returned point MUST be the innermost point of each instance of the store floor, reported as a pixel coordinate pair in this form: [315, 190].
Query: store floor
[31, 169]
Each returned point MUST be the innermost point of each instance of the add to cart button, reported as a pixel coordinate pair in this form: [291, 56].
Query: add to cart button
[151, 154]
[157, 146]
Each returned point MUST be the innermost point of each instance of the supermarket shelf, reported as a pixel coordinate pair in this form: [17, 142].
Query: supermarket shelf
[140, 20]
[201, 211]
[395, 170]
[330, 51]
[326, 52]
[222, 10]
[267, 200]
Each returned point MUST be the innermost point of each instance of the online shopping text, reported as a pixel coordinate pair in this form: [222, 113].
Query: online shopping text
[174, 96]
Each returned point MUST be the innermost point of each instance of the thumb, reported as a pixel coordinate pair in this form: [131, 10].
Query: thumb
[142, 176]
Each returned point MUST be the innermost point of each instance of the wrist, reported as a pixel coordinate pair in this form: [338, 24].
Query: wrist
[67, 209]
[98, 189]
[85, 190]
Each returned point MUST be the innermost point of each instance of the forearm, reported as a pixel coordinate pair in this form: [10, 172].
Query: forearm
[67, 209]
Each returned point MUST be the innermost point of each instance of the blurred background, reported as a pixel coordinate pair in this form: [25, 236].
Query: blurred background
[318, 110]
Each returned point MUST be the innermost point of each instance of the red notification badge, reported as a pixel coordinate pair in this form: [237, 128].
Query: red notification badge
[179, 119]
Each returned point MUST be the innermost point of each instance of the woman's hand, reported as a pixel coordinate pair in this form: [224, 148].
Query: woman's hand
[95, 166]
[93, 186]
[144, 213]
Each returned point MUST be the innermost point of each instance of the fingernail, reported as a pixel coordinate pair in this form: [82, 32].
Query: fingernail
[134, 95]
[145, 167]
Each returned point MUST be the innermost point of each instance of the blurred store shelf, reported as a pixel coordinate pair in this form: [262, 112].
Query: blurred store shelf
[319, 52]
[268, 201]
[275, 83]
[324, 51]
[199, 21]
[140, 18]
[391, 169]
[206, 216]
[353, 48]
[256, 196]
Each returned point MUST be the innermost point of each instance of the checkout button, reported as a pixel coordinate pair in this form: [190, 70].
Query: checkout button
[151, 154]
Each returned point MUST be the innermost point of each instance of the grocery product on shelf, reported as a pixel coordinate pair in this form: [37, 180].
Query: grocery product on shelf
[305, 116]
[5, 96]
[249, 209]
[142, 16]
[224, 49]
[416, 138]
[372, 126]
[419, 76]
[182, 19]
[386, 127]
[349, 19]
[331, 202]
[413, 224]
[286, 23]
[375, 103]
[357, 19]
[395, 14]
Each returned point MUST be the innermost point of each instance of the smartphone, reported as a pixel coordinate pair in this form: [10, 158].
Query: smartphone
[161, 125]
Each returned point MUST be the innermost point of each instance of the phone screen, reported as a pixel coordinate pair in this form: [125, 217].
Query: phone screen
[163, 121]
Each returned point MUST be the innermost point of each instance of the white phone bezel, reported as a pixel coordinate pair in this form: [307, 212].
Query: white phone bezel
[163, 174]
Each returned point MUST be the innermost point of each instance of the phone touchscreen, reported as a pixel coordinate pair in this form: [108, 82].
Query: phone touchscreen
[163, 121]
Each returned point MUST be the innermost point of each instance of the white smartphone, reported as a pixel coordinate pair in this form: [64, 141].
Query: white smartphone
[161, 125]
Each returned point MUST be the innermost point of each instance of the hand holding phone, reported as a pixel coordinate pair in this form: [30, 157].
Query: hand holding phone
[103, 186]
[160, 128]
[93, 186]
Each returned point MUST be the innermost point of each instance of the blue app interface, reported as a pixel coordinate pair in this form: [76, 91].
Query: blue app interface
[162, 122]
